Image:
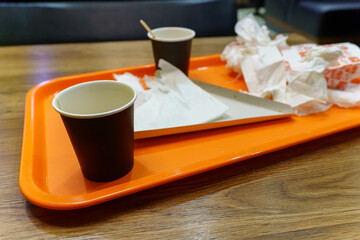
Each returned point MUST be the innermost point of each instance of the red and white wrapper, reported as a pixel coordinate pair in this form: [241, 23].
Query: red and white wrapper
[346, 69]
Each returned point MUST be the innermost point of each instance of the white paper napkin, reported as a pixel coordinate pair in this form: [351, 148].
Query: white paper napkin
[172, 100]
[349, 97]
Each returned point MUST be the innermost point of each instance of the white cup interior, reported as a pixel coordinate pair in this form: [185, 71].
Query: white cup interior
[172, 34]
[94, 99]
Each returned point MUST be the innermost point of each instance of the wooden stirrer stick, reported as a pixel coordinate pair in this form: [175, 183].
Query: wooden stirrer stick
[147, 28]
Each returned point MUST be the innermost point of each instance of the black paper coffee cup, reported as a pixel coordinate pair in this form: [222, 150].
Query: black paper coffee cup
[99, 119]
[173, 44]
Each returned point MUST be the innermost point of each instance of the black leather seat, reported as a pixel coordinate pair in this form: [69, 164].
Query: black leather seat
[324, 21]
[89, 21]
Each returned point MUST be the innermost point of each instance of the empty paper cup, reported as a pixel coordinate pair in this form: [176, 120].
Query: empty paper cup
[99, 119]
[173, 44]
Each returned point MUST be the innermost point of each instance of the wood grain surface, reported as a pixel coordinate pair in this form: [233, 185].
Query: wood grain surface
[309, 191]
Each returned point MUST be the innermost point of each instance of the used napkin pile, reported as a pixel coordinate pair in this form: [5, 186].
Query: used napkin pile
[308, 77]
[171, 100]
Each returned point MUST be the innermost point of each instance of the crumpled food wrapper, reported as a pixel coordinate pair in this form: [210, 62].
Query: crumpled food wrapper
[341, 72]
[171, 100]
[302, 76]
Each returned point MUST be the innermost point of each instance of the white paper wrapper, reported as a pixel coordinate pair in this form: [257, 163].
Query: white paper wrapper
[297, 75]
[172, 100]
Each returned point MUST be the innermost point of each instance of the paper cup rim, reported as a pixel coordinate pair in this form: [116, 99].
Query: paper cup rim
[192, 34]
[93, 115]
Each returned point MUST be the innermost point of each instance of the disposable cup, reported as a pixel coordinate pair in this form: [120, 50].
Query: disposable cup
[99, 119]
[173, 44]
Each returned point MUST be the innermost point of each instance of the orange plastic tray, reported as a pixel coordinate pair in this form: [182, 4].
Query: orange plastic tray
[50, 176]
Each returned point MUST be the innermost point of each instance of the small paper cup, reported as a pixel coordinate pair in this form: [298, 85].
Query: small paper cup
[99, 119]
[172, 44]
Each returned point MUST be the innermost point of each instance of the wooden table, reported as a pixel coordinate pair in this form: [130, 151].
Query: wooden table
[309, 191]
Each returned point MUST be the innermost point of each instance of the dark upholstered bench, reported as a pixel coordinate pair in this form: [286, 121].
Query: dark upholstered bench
[88, 21]
[324, 21]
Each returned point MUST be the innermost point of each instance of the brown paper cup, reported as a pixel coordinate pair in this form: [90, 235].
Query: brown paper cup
[99, 119]
[173, 44]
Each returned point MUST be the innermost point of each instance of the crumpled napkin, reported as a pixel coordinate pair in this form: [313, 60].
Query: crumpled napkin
[346, 98]
[250, 36]
[307, 90]
[172, 100]
[264, 64]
